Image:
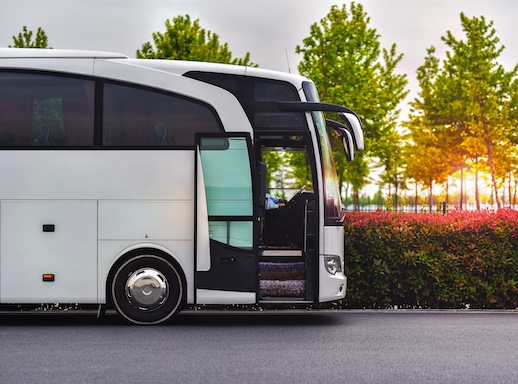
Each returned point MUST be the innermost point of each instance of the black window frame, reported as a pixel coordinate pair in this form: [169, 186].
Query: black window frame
[243, 88]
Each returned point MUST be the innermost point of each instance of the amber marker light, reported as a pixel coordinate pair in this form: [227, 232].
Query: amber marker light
[48, 277]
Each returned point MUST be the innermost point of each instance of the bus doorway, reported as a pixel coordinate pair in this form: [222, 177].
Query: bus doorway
[289, 241]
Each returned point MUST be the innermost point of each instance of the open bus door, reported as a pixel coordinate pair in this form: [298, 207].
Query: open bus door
[226, 240]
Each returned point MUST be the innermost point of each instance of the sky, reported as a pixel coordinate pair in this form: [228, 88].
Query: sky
[268, 29]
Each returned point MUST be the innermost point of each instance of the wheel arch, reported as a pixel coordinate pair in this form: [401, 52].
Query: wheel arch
[138, 250]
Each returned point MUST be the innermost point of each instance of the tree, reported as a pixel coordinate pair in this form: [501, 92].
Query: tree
[342, 55]
[468, 103]
[186, 40]
[432, 150]
[426, 156]
[24, 39]
[484, 85]
[394, 165]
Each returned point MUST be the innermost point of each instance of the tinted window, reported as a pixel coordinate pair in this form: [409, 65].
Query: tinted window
[228, 187]
[259, 99]
[140, 117]
[333, 207]
[41, 109]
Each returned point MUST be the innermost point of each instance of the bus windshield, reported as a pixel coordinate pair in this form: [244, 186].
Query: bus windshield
[332, 204]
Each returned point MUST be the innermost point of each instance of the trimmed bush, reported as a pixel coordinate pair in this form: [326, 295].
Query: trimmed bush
[461, 260]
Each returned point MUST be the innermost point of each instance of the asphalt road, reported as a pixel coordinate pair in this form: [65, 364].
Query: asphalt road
[263, 347]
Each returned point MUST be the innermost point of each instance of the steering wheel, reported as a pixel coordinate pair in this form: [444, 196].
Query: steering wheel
[294, 197]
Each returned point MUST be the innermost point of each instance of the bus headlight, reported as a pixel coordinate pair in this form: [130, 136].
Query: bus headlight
[333, 264]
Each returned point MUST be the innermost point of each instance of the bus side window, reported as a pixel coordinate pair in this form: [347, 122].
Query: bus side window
[15, 110]
[42, 109]
[142, 117]
[6, 138]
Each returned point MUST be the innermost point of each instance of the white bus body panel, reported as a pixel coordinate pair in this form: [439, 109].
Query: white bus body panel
[163, 225]
[96, 199]
[202, 223]
[69, 252]
[144, 219]
[332, 287]
[97, 174]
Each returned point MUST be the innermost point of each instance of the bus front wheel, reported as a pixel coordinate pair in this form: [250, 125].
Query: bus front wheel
[147, 289]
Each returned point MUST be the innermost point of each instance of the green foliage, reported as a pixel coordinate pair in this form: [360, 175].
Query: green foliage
[464, 259]
[342, 55]
[274, 162]
[299, 168]
[287, 169]
[24, 39]
[465, 113]
[186, 40]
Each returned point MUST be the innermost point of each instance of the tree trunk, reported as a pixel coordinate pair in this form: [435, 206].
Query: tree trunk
[416, 197]
[477, 193]
[461, 188]
[447, 198]
[514, 191]
[430, 187]
[489, 148]
[396, 198]
[356, 197]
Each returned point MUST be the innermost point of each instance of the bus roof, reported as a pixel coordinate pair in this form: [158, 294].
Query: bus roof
[178, 67]
[181, 67]
[38, 53]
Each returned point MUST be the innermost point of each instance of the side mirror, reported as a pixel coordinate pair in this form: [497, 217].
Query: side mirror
[355, 127]
[347, 139]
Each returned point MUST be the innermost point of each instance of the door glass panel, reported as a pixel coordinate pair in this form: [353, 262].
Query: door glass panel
[241, 234]
[227, 175]
[228, 189]
[234, 233]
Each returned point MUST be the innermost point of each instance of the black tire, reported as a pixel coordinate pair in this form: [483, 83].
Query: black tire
[149, 276]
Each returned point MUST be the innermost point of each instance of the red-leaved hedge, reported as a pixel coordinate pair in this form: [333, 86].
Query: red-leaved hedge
[460, 260]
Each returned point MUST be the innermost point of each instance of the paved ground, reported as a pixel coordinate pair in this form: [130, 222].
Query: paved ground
[264, 347]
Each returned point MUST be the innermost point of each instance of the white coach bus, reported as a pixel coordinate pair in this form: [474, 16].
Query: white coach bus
[143, 185]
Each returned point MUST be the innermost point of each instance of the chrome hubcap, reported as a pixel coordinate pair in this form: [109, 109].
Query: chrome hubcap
[147, 289]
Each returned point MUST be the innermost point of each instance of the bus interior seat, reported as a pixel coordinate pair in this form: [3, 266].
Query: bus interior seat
[48, 135]
[45, 134]
[111, 136]
[160, 135]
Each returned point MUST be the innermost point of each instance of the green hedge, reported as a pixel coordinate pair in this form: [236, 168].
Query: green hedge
[460, 260]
